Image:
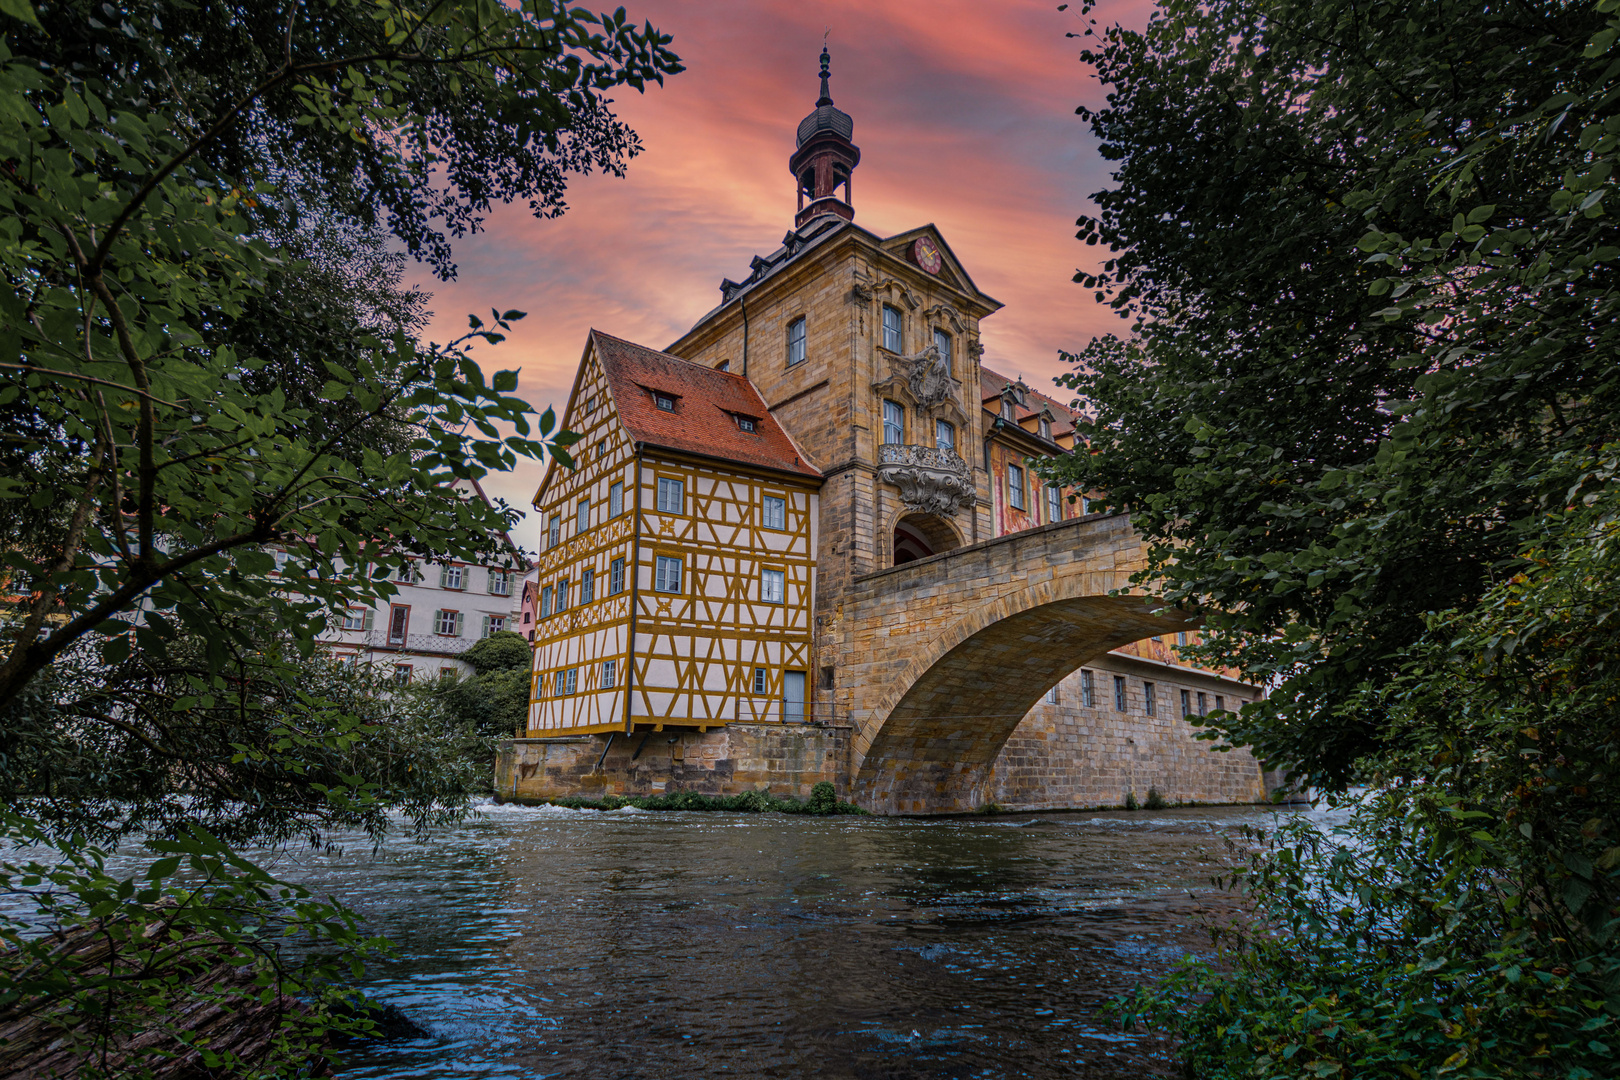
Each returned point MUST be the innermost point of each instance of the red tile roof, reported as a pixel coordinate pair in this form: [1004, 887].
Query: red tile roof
[992, 383]
[707, 403]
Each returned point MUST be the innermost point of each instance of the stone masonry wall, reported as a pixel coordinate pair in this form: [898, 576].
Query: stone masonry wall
[784, 759]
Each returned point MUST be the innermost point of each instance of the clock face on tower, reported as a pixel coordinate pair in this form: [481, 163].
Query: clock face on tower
[926, 252]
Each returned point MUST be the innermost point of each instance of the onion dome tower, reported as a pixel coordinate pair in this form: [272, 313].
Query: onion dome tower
[825, 157]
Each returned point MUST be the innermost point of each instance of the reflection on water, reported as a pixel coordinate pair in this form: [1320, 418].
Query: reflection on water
[537, 942]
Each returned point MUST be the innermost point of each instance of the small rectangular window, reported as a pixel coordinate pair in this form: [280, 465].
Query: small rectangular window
[945, 435]
[795, 342]
[494, 624]
[587, 586]
[1006, 408]
[582, 518]
[399, 619]
[671, 496]
[450, 577]
[1054, 503]
[1119, 693]
[562, 594]
[402, 673]
[942, 342]
[1088, 691]
[775, 512]
[665, 402]
[667, 577]
[760, 678]
[1220, 703]
[616, 499]
[1051, 695]
[1186, 704]
[1046, 429]
[355, 618]
[610, 674]
[545, 601]
[891, 329]
[1015, 487]
[447, 623]
[554, 532]
[601, 450]
[745, 423]
[616, 577]
[1202, 710]
[771, 584]
[1181, 638]
[500, 583]
[1148, 703]
[894, 423]
[567, 681]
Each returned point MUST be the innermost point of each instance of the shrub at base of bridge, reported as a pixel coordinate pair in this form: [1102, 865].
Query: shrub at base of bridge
[823, 801]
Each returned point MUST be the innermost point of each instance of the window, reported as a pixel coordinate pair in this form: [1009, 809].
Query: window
[775, 512]
[357, 618]
[1085, 505]
[567, 681]
[500, 583]
[745, 423]
[447, 672]
[616, 577]
[942, 342]
[493, 624]
[349, 659]
[281, 561]
[590, 404]
[667, 575]
[724, 365]
[1051, 695]
[616, 499]
[587, 586]
[399, 619]
[601, 449]
[1181, 638]
[1054, 503]
[664, 401]
[450, 577]
[1119, 693]
[1006, 408]
[795, 342]
[891, 329]
[402, 673]
[1015, 487]
[528, 617]
[771, 585]
[1046, 428]
[554, 533]
[447, 623]
[1202, 711]
[1148, 703]
[945, 435]
[545, 601]
[582, 517]
[1088, 691]
[760, 677]
[610, 674]
[562, 594]
[894, 423]
[1186, 704]
[671, 496]
[1220, 703]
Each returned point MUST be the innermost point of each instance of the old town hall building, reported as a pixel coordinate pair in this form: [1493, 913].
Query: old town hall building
[829, 419]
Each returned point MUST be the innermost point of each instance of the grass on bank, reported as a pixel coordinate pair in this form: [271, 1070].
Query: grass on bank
[823, 801]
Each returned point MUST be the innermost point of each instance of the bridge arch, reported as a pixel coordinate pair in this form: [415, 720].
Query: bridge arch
[1011, 618]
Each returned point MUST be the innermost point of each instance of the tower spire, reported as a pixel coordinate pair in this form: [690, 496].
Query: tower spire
[824, 157]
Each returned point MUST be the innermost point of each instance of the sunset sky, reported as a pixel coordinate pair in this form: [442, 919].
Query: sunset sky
[964, 113]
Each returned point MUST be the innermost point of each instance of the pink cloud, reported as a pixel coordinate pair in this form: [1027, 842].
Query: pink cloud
[964, 112]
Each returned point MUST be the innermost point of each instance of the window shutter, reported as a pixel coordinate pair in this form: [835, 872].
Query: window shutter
[444, 576]
[365, 623]
[459, 618]
[484, 633]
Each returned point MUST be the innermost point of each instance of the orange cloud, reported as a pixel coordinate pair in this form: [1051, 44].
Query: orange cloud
[964, 113]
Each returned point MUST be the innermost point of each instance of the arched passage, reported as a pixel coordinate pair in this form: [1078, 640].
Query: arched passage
[917, 536]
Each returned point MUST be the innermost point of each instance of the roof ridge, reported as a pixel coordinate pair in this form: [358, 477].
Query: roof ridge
[669, 355]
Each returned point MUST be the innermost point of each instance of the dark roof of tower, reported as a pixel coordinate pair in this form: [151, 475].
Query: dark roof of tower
[826, 117]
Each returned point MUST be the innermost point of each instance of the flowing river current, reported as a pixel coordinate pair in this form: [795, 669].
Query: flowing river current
[541, 942]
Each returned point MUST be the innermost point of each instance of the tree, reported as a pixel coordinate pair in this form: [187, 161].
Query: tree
[495, 699]
[1372, 274]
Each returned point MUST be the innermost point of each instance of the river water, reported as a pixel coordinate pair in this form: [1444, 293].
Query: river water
[541, 942]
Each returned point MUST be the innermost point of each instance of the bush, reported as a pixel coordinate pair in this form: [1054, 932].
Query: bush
[1155, 801]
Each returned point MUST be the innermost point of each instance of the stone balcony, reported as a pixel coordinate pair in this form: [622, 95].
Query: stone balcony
[931, 480]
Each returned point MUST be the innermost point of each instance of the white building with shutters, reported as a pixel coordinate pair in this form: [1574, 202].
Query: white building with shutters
[438, 613]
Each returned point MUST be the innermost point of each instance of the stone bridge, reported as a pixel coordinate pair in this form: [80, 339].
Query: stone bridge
[941, 658]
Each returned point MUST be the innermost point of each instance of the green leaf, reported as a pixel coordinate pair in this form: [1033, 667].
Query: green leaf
[21, 9]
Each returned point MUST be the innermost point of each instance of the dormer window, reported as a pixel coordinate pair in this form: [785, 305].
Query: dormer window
[725, 365]
[1006, 408]
[664, 401]
[745, 423]
[1046, 429]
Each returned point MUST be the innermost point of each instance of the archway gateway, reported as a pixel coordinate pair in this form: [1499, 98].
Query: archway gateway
[918, 536]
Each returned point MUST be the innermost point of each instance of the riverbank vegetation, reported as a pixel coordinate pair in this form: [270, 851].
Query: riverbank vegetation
[205, 212]
[1368, 413]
